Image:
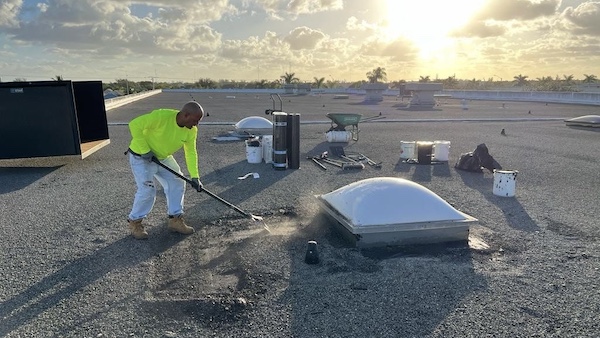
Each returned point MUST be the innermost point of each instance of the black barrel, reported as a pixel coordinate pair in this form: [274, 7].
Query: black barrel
[280, 140]
[293, 141]
[424, 151]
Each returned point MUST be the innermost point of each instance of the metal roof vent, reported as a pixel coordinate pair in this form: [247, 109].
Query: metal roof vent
[255, 125]
[385, 211]
[584, 121]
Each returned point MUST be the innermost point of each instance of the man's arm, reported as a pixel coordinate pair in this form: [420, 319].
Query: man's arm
[138, 128]
[191, 155]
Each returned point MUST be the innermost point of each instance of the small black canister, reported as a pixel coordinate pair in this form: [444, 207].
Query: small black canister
[312, 253]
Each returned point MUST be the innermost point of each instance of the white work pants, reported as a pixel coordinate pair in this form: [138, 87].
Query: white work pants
[144, 173]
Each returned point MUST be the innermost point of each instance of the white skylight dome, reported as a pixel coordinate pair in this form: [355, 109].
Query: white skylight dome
[390, 210]
[584, 121]
[254, 125]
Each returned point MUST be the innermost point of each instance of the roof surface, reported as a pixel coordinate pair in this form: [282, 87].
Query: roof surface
[70, 268]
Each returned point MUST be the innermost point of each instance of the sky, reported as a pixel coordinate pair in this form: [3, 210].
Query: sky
[339, 40]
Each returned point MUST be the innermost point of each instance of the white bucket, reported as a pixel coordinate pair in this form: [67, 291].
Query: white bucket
[407, 149]
[505, 182]
[338, 136]
[441, 149]
[253, 153]
[267, 148]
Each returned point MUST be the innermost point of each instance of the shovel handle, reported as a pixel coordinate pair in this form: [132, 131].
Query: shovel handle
[211, 194]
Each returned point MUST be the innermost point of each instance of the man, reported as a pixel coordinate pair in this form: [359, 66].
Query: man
[160, 134]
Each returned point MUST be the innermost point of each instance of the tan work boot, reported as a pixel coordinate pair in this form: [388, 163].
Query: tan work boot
[137, 229]
[176, 224]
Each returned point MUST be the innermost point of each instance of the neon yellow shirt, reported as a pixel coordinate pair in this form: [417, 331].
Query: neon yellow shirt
[158, 132]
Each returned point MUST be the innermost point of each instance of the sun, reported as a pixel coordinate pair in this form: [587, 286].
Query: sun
[427, 23]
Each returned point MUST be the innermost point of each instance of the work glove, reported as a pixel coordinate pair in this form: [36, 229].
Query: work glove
[196, 184]
[148, 156]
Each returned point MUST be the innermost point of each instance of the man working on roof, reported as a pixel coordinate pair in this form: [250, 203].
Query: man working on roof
[160, 134]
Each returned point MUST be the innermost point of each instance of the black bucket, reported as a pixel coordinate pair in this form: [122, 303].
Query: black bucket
[424, 151]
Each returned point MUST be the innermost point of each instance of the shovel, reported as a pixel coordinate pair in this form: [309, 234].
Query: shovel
[213, 195]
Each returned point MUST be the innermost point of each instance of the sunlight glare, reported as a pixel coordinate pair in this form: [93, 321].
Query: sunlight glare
[427, 22]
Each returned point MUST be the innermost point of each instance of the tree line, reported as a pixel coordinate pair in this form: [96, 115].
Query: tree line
[379, 74]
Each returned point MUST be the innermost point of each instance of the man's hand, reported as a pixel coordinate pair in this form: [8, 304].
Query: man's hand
[147, 156]
[196, 184]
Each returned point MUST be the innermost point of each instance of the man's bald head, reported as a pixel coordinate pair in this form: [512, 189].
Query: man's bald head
[190, 115]
[193, 108]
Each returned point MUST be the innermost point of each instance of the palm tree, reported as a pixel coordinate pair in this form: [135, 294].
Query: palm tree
[473, 84]
[520, 80]
[319, 82]
[590, 78]
[357, 84]
[450, 82]
[377, 74]
[261, 84]
[332, 83]
[206, 83]
[424, 78]
[568, 79]
[545, 83]
[398, 84]
[289, 78]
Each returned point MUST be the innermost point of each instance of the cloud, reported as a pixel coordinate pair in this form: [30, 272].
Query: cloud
[270, 46]
[9, 10]
[195, 12]
[584, 19]
[399, 49]
[496, 16]
[304, 38]
[83, 24]
[313, 6]
[505, 10]
[190, 39]
[479, 29]
[352, 24]
[292, 8]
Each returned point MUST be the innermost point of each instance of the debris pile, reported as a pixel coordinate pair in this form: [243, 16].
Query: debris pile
[476, 160]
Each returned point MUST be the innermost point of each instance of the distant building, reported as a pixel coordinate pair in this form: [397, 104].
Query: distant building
[422, 94]
[374, 91]
[588, 87]
[289, 88]
[303, 88]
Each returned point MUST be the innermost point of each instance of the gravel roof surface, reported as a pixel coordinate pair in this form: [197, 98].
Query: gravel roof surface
[530, 269]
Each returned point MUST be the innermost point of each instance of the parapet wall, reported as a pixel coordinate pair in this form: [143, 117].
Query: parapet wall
[550, 97]
[125, 99]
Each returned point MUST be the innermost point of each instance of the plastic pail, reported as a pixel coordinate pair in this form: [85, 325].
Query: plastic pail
[253, 153]
[267, 148]
[505, 182]
[441, 149]
[407, 149]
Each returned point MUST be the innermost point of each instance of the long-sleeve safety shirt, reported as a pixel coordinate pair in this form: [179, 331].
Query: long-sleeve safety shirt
[159, 132]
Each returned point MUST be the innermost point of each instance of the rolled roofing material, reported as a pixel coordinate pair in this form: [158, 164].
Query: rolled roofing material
[584, 121]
